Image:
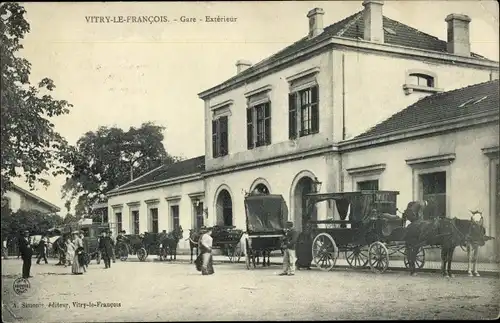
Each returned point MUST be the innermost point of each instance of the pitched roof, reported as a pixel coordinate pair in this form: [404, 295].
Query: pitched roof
[168, 171]
[50, 206]
[464, 102]
[395, 33]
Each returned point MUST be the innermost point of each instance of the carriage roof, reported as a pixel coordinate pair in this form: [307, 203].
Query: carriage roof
[265, 213]
[362, 203]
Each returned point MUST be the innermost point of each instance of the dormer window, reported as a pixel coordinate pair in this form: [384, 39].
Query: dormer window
[420, 81]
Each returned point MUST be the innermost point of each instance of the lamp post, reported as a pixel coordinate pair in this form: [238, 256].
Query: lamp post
[317, 185]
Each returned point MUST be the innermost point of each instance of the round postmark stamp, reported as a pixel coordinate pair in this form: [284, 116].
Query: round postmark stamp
[21, 285]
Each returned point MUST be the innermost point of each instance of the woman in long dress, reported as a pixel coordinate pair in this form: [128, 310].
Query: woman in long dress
[78, 267]
[70, 251]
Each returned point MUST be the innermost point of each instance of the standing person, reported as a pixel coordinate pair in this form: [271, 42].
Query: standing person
[113, 240]
[42, 250]
[106, 247]
[70, 250]
[26, 252]
[304, 248]
[207, 267]
[78, 267]
[4, 248]
[289, 256]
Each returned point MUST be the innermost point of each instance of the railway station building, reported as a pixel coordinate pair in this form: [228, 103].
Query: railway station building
[364, 103]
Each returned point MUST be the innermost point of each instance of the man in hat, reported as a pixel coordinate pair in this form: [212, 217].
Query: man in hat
[42, 250]
[106, 247]
[290, 241]
[26, 253]
[113, 240]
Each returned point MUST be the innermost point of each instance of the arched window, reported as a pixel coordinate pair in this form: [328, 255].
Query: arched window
[421, 79]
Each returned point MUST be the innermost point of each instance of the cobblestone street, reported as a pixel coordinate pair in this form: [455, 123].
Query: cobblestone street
[153, 291]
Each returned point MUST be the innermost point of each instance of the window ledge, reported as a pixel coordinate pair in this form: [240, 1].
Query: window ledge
[410, 88]
[260, 90]
[308, 72]
[134, 203]
[117, 206]
[196, 195]
[491, 152]
[173, 198]
[152, 201]
[376, 168]
[445, 158]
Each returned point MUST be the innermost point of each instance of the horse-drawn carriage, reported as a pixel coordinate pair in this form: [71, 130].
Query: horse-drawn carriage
[368, 231]
[227, 239]
[266, 216]
[134, 244]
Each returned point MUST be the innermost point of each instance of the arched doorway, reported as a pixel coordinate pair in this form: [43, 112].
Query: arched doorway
[304, 186]
[224, 209]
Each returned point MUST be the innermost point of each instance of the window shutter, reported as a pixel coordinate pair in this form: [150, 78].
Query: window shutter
[314, 109]
[214, 138]
[223, 135]
[267, 123]
[250, 140]
[292, 116]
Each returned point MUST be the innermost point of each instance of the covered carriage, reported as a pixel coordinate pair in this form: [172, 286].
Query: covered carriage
[135, 244]
[266, 216]
[367, 230]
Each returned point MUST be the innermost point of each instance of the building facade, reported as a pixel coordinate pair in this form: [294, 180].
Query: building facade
[306, 115]
[18, 198]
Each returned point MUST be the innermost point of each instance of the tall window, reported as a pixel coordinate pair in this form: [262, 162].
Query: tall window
[219, 137]
[198, 214]
[119, 221]
[174, 213]
[259, 125]
[368, 185]
[303, 112]
[434, 192]
[154, 220]
[135, 222]
[421, 80]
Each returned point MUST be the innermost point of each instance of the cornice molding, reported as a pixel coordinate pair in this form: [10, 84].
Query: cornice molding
[492, 152]
[372, 169]
[419, 161]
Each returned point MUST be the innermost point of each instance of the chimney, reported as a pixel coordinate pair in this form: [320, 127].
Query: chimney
[242, 65]
[315, 21]
[374, 27]
[458, 34]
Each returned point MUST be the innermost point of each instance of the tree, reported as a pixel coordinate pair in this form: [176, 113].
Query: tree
[30, 145]
[34, 221]
[110, 157]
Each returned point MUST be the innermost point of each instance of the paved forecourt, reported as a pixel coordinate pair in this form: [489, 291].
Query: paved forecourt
[152, 291]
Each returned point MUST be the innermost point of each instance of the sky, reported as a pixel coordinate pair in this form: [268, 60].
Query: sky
[124, 74]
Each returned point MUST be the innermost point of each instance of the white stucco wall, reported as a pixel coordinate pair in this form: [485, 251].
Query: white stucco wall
[128, 202]
[469, 174]
[374, 86]
[14, 200]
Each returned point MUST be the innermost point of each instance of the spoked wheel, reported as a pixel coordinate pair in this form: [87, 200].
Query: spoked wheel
[122, 251]
[357, 257]
[142, 254]
[378, 257]
[419, 261]
[324, 251]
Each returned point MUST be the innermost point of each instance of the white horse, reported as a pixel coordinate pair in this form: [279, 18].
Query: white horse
[476, 240]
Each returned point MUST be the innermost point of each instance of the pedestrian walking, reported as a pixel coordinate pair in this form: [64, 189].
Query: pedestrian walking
[106, 247]
[291, 236]
[26, 253]
[205, 257]
[70, 251]
[42, 250]
[78, 267]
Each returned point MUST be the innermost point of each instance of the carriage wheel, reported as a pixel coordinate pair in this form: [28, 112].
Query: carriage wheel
[142, 254]
[324, 251]
[122, 251]
[378, 257]
[357, 257]
[419, 261]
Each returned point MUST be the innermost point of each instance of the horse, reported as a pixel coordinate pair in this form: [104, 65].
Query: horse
[59, 248]
[194, 237]
[170, 242]
[475, 237]
[439, 231]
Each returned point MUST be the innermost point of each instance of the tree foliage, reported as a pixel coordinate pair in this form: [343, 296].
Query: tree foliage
[30, 145]
[107, 158]
[34, 221]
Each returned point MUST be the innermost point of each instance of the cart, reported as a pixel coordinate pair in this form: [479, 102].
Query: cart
[266, 216]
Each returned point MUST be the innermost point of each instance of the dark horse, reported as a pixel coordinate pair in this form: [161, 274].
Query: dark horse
[59, 249]
[194, 238]
[169, 244]
[441, 232]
